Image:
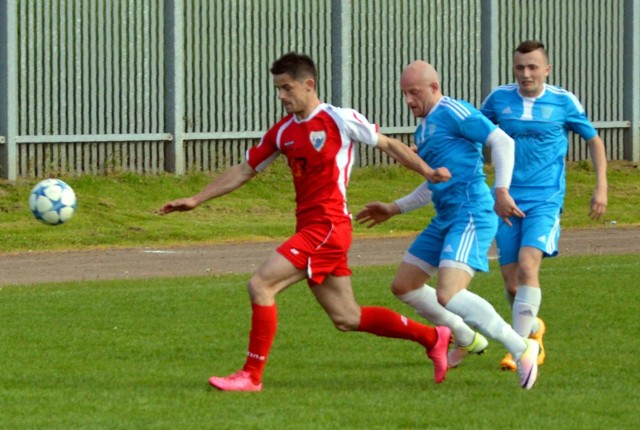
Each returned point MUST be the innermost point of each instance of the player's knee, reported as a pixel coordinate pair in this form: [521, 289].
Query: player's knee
[510, 278]
[258, 291]
[529, 263]
[443, 296]
[511, 288]
[399, 288]
[527, 272]
[511, 285]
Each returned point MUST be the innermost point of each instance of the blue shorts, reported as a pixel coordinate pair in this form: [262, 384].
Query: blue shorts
[465, 238]
[539, 229]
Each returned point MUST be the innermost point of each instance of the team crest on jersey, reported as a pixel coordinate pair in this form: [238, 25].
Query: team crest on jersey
[318, 139]
[546, 112]
[432, 129]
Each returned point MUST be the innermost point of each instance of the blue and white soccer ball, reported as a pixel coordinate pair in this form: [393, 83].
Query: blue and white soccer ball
[52, 201]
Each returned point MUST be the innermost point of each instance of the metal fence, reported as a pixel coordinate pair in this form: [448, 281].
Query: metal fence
[586, 43]
[99, 86]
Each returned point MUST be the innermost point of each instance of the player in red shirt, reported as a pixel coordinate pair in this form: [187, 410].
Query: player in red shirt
[317, 140]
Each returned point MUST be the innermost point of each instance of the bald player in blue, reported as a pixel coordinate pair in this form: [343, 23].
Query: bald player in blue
[454, 245]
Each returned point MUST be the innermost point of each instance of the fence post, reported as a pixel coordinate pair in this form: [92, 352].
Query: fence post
[8, 88]
[341, 27]
[174, 84]
[631, 94]
[489, 47]
[490, 56]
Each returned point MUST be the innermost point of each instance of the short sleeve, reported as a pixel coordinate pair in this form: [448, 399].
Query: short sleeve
[261, 155]
[355, 125]
[577, 120]
[476, 127]
[487, 109]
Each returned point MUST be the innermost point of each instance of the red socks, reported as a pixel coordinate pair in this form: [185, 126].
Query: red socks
[264, 322]
[376, 320]
[387, 323]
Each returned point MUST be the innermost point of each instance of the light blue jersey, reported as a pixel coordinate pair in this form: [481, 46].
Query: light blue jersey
[452, 136]
[540, 129]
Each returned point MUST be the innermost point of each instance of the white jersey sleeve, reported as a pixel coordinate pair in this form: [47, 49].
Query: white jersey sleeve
[418, 198]
[355, 125]
[502, 154]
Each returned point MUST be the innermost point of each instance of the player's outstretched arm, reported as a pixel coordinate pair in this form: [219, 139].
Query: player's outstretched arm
[230, 180]
[599, 197]
[408, 158]
[376, 213]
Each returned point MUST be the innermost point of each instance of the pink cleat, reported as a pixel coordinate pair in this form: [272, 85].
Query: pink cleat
[239, 381]
[438, 354]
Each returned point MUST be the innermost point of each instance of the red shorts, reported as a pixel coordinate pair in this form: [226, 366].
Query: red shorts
[320, 248]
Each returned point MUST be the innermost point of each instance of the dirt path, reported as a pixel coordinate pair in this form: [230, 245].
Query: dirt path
[36, 267]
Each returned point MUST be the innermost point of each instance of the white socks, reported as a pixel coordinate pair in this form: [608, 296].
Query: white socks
[425, 302]
[479, 313]
[525, 309]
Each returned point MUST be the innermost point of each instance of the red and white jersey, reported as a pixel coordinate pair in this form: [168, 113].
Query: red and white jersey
[319, 150]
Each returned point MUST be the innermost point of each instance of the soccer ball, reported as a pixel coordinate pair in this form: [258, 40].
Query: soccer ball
[52, 201]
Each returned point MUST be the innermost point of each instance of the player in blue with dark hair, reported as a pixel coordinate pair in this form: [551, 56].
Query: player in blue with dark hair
[455, 244]
[538, 117]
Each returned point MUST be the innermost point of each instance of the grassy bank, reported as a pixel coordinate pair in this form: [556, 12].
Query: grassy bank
[121, 211]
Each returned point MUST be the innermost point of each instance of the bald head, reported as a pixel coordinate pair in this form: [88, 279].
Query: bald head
[419, 72]
[421, 88]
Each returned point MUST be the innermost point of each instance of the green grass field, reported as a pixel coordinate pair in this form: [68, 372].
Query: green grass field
[137, 355]
[122, 210]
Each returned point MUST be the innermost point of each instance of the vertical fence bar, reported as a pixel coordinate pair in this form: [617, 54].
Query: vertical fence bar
[257, 78]
[341, 28]
[226, 66]
[157, 75]
[217, 81]
[490, 61]
[56, 44]
[632, 79]
[137, 64]
[109, 43]
[9, 106]
[174, 85]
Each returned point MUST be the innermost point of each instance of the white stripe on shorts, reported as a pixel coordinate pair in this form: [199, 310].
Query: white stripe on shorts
[551, 240]
[466, 241]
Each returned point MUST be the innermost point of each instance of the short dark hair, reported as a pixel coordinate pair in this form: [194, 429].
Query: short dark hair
[530, 46]
[298, 66]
